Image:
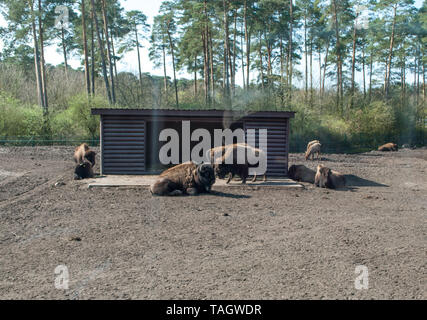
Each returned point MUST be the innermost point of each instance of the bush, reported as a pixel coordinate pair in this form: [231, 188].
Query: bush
[19, 120]
[79, 110]
[373, 125]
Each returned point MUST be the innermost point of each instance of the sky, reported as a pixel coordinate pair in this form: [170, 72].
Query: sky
[129, 62]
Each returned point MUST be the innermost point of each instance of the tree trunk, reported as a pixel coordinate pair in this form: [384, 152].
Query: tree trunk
[226, 50]
[36, 57]
[325, 66]
[195, 77]
[173, 67]
[390, 55]
[260, 61]
[311, 71]
[243, 59]
[165, 78]
[364, 74]
[64, 52]
[211, 64]
[370, 75]
[42, 60]
[139, 60]
[248, 44]
[92, 59]
[353, 62]
[205, 68]
[339, 65]
[305, 56]
[85, 52]
[109, 55]
[320, 69]
[233, 82]
[114, 55]
[101, 51]
[291, 21]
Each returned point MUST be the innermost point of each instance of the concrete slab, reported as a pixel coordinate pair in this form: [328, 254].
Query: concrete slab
[112, 181]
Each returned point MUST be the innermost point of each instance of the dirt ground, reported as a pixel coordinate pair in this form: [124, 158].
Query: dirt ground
[236, 243]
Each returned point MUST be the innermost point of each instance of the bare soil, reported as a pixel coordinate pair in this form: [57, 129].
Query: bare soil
[236, 243]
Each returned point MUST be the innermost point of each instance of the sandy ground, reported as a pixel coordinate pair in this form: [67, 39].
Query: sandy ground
[236, 243]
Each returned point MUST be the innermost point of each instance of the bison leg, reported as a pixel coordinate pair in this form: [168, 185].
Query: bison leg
[230, 177]
[175, 193]
[254, 179]
[164, 187]
[192, 191]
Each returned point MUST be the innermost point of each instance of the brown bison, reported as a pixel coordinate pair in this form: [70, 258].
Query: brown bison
[186, 178]
[219, 155]
[301, 173]
[83, 171]
[313, 149]
[311, 143]
[389, 147]
[82, 153]
[327, 178]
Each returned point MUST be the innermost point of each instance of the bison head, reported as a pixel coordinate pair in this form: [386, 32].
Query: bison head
[206, 176]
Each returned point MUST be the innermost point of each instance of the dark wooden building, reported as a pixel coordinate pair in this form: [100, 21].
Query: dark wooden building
[130, 137]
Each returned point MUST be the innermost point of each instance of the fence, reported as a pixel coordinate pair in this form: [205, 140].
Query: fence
[43, 141]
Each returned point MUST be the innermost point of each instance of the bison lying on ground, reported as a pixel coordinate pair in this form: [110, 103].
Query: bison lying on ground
[314, 148]
[83, 153]
[186, 178]
[301, 173]
[327, 178]
[219, 155]
[388, 147]
[83, 171]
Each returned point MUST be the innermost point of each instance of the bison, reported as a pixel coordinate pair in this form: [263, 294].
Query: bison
[314, 148]
[83, 170]
[186, 178]
[301, 173]
[82, 153]
[311, 143]
[327, 178]
[219, 156]
[389, 147]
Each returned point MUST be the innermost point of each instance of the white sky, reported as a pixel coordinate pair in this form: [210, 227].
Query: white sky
[129, 62]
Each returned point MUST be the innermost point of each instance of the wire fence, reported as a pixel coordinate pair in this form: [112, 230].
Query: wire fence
[33, 141]
[298, 144]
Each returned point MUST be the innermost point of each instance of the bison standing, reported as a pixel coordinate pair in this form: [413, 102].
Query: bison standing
[85, 159]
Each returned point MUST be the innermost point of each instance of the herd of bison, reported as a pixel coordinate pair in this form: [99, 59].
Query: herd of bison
[191, 178]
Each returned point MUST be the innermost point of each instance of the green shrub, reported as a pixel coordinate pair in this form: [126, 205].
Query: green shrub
[17, 119]
[84, 123]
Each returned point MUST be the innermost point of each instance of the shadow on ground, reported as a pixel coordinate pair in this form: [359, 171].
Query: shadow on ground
[228, 195]
[355, 181]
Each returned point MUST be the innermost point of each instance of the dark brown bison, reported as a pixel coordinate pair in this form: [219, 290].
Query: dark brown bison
[83, 170]
[301, 173]
[327, 178]
[186, 178]
[82, 153]
[219, 155]
[389, 147]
